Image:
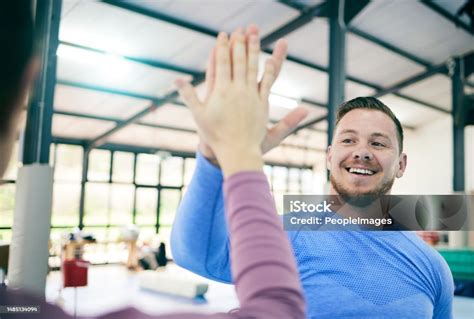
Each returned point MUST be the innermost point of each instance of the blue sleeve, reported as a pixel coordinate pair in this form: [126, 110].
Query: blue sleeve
[199, 238]
[443, 308]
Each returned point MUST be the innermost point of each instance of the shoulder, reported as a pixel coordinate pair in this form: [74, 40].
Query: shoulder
[438, 266]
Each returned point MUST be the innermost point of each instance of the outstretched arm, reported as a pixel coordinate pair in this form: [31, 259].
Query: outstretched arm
[199, 239]
[233, 121]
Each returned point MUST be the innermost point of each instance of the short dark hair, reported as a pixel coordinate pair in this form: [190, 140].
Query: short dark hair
[370, 103]
[16, 35]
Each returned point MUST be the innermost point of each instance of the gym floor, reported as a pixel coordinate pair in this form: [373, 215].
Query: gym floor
[113, 287]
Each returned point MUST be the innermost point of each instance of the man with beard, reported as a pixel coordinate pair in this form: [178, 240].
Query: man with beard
[345, 274]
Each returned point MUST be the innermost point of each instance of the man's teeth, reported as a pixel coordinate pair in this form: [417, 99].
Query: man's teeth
[361, 171]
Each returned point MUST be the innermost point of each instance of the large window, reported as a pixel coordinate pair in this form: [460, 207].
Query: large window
[123, 188]
[67, 185]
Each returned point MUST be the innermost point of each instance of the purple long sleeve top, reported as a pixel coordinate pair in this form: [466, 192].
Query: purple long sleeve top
[263, 267]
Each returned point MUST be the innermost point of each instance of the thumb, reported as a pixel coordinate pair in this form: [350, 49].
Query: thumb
[188, 94]
[283, 128]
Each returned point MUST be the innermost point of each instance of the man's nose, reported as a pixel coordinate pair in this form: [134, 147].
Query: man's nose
[363, 154]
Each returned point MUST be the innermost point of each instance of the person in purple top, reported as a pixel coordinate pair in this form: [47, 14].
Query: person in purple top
[233, 119]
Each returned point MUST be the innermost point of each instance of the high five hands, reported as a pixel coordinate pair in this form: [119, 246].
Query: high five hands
[233, 116]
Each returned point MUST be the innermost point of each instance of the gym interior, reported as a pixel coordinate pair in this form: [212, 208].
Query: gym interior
[109, 148]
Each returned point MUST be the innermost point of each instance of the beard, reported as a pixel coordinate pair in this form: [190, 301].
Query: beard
[361, 199]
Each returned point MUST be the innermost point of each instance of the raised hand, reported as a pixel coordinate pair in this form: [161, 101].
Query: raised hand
[233, 117]
[279, 131]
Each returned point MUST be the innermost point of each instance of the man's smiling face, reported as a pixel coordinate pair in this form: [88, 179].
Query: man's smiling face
[364, 157]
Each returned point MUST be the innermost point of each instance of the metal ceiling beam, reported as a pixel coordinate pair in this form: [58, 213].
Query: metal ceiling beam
[370, 37]
[120, 121]
[104, 89]
[150, 150]
[442, 68]
[158, 126]
[353, 8]
[357, 80]
[310, 123]
[381, 42]
[447, 15]
[149, 62]
[384, 44]
[207, 31]
[306, 16]
[102, 138]
[197, 79]
[213, 33]
[130, 6]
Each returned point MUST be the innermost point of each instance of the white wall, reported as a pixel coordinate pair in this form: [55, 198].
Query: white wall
[430, 161]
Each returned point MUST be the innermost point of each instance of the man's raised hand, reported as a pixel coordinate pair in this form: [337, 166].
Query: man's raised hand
[232, 118]
[279, 131]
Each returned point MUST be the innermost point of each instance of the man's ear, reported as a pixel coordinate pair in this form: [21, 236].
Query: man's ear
[328, 158]
[402, 165]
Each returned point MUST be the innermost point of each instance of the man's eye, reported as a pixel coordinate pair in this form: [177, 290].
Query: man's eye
[378, 144]
[346, 141]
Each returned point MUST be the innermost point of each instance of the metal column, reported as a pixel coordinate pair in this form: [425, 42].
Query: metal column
[337, 60]
[37, 135]
[458, 128]
[337, 57]
[34, 187]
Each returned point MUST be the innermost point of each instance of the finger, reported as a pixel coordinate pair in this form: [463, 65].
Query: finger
[239, 58]
[211, 72]
[223, 76]
[232, 45]
[253, 55]
[279, 55]
[251, 29]
[188, 94]
[278, 132]
[267, 79]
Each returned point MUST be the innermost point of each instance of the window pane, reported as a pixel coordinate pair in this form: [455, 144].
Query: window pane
[279, 178]
[96, 204]
[147, 199]
[99, 165]
[172, 171]
[6, 235]
[169, 201]
[121, 203]
[189, 166]
[307, 181]
[294, 181]
[66, 197]
[68, 163]
[147, 169]
[123, 167]
[147, 234]
[52, 149]
[12, 169]
[7, 204]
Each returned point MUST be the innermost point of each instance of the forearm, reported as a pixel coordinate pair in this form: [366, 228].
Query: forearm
[264, 269]
[199, 238]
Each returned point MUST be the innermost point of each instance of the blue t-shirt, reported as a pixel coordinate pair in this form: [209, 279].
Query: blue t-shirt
[344, 274]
